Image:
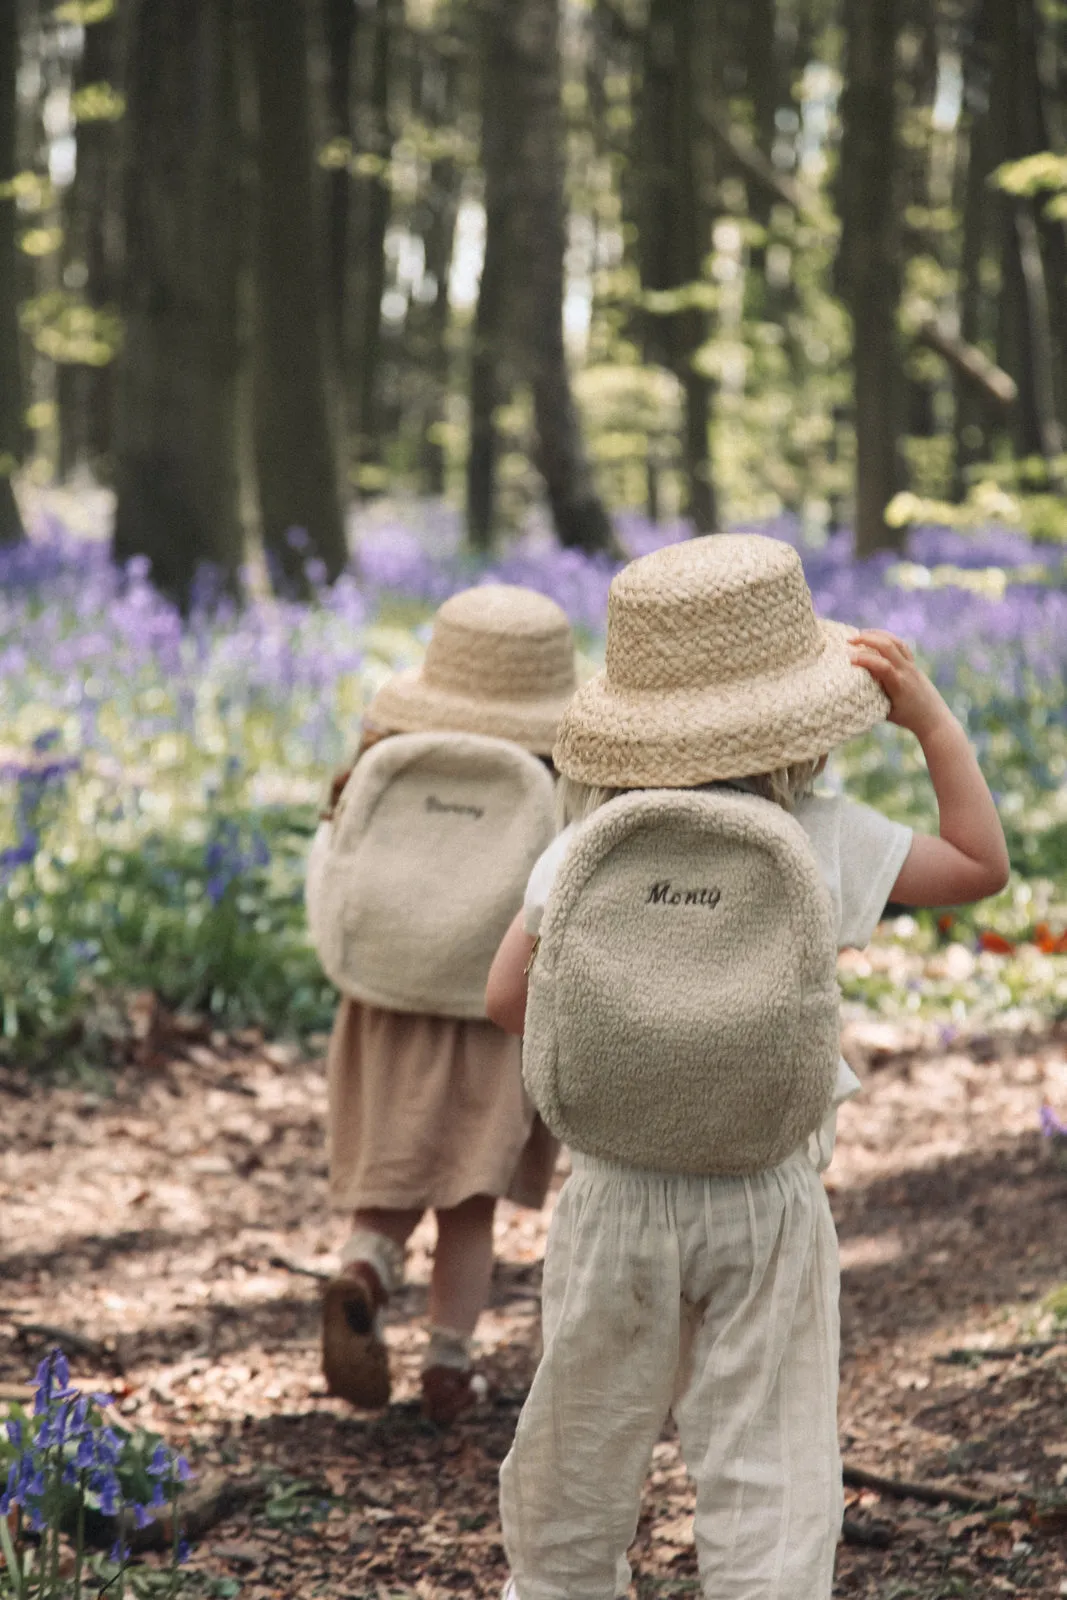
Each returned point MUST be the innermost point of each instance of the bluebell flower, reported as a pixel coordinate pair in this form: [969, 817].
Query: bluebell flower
[184, 1551]
[14, 1432]
[141, 1515]
[1051, 1125]
[35, 1518]
[119, 1552]
[159, 1464]
[109, 1445]
[107, 1492]
[86, 1452]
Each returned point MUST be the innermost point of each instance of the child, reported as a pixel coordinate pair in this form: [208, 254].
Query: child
[429, 1111]
[715, 1297]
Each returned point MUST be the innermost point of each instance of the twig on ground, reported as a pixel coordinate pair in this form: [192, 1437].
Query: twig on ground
[70, 1342]
[18, 1393]
[1006, 1352]
[931, 1494]
[203, 1507]
[301, 1271]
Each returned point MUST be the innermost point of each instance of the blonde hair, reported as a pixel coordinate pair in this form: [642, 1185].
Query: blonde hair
[575, 801]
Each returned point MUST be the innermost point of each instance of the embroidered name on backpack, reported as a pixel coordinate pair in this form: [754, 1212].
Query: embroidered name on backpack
[433, 804]
[664, 894]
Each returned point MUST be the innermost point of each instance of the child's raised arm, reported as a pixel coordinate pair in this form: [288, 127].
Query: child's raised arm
[970, 859]
[505, 993]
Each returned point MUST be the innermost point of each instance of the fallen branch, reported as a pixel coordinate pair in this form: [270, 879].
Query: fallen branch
[931, 1494]
[69, 1342]
[983, 374]
[964, 1356]
[1000, 1352]
[214, 1498]
[210, 1502]
[16, 1394]
[870, 1535]
[301, 1271]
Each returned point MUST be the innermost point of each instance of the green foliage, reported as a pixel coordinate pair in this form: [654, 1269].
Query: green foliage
[98, 102]
[83, 13]
[65, 328]
[77, 935]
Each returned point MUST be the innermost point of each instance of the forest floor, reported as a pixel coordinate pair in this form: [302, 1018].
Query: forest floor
[171, 1221]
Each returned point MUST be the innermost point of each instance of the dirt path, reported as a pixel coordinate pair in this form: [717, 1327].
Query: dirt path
[164, 1223]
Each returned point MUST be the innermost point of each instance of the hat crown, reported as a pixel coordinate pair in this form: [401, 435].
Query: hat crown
[708, 612]
[500, 642]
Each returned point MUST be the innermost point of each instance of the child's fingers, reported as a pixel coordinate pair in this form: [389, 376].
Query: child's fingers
[881, 669]
[886, 643]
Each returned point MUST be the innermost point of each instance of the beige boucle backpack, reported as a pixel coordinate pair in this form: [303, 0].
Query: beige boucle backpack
[683, 1000]
[412, 886]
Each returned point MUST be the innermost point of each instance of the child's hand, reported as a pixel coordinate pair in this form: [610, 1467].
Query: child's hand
[914, 702]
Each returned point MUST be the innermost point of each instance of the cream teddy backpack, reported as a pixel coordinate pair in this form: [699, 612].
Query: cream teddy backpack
[411, 887]
[683, 1000]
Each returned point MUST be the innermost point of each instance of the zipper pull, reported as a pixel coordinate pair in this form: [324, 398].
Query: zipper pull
[533, 956]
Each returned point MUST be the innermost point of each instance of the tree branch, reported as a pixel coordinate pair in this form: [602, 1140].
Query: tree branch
[931, 1494]
[991, 380]
[754, 164]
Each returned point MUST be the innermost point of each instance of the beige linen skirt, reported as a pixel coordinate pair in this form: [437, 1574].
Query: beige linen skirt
[425, 1112]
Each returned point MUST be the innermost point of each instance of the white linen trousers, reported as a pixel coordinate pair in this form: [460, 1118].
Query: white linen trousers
[716, 1298]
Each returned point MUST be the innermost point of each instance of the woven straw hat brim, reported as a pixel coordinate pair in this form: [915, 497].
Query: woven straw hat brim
[651, 738]
[408, 704]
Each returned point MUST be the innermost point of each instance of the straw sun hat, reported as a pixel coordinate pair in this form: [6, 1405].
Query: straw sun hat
[500, 661]
[717, 667]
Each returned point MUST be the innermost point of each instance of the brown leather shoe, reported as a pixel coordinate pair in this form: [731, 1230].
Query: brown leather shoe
[355, 1361]
[448, 1391]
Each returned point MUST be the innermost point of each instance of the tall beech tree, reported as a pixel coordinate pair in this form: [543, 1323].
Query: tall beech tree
[11, 405]
[93, 251]
[674, 152]
[519, 325]
[869, 266]
[177, 478]
[370, 205]
[296, 470]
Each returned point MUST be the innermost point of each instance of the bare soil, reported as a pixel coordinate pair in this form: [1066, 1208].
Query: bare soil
[173, 1222]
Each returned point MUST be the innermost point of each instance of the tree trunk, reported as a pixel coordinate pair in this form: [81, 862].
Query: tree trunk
[674, 146]
[918, 78]
[489, 377]
[973, 420]
[11, 406]
[93, 225]
[437, 99]
[339, 19]
[519, 323]
[295, 466]
[869, 275]
[761, 84]
[370, 205]
[541, 226]
[177, 465]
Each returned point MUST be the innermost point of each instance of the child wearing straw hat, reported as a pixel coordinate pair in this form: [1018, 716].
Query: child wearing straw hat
[426, 1104]
[674, 969]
